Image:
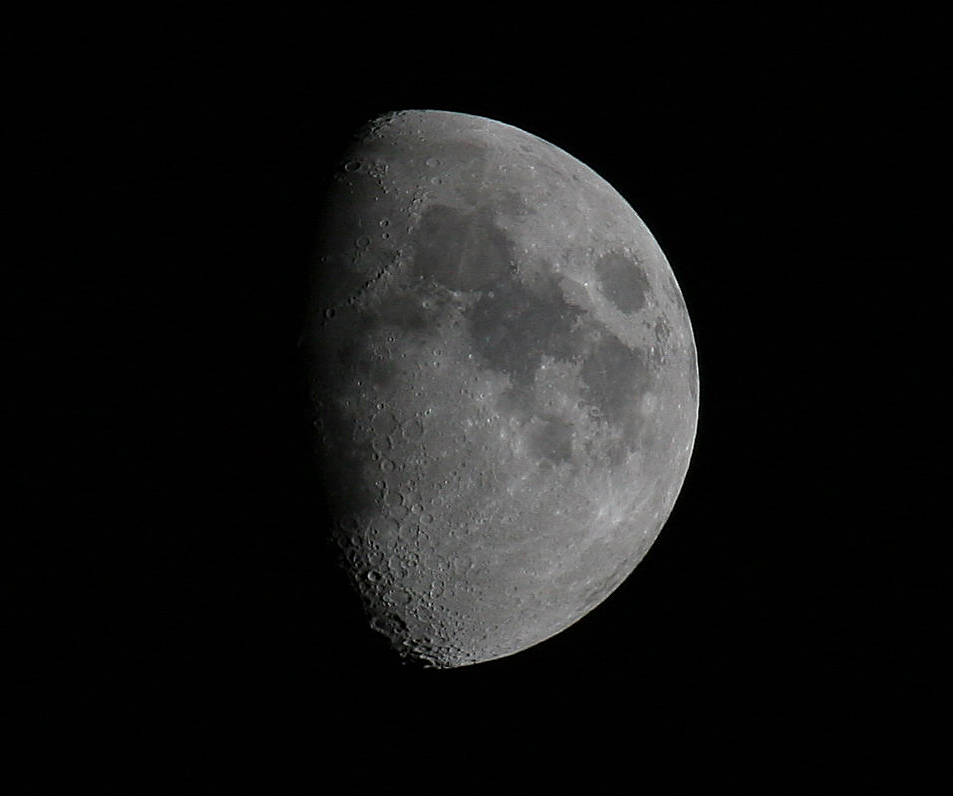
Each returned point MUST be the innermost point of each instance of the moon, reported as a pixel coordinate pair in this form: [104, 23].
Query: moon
[504, 382]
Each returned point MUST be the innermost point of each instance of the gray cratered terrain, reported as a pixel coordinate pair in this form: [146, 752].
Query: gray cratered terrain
[504, 379]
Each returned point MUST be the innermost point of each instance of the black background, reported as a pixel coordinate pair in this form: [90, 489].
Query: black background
[185, 629]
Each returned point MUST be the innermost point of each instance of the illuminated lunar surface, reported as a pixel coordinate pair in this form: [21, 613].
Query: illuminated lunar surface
[504, 381]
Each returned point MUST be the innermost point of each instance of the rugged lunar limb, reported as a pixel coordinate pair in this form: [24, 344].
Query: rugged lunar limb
[504, 379]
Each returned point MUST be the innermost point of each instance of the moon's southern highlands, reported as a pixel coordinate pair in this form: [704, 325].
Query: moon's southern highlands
[504, 380]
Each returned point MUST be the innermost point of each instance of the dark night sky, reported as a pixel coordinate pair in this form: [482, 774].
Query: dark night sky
[184, 621]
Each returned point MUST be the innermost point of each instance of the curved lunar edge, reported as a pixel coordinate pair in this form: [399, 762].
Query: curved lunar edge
[504, 380]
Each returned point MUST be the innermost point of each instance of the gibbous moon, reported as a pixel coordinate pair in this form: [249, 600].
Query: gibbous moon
[504, 381]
